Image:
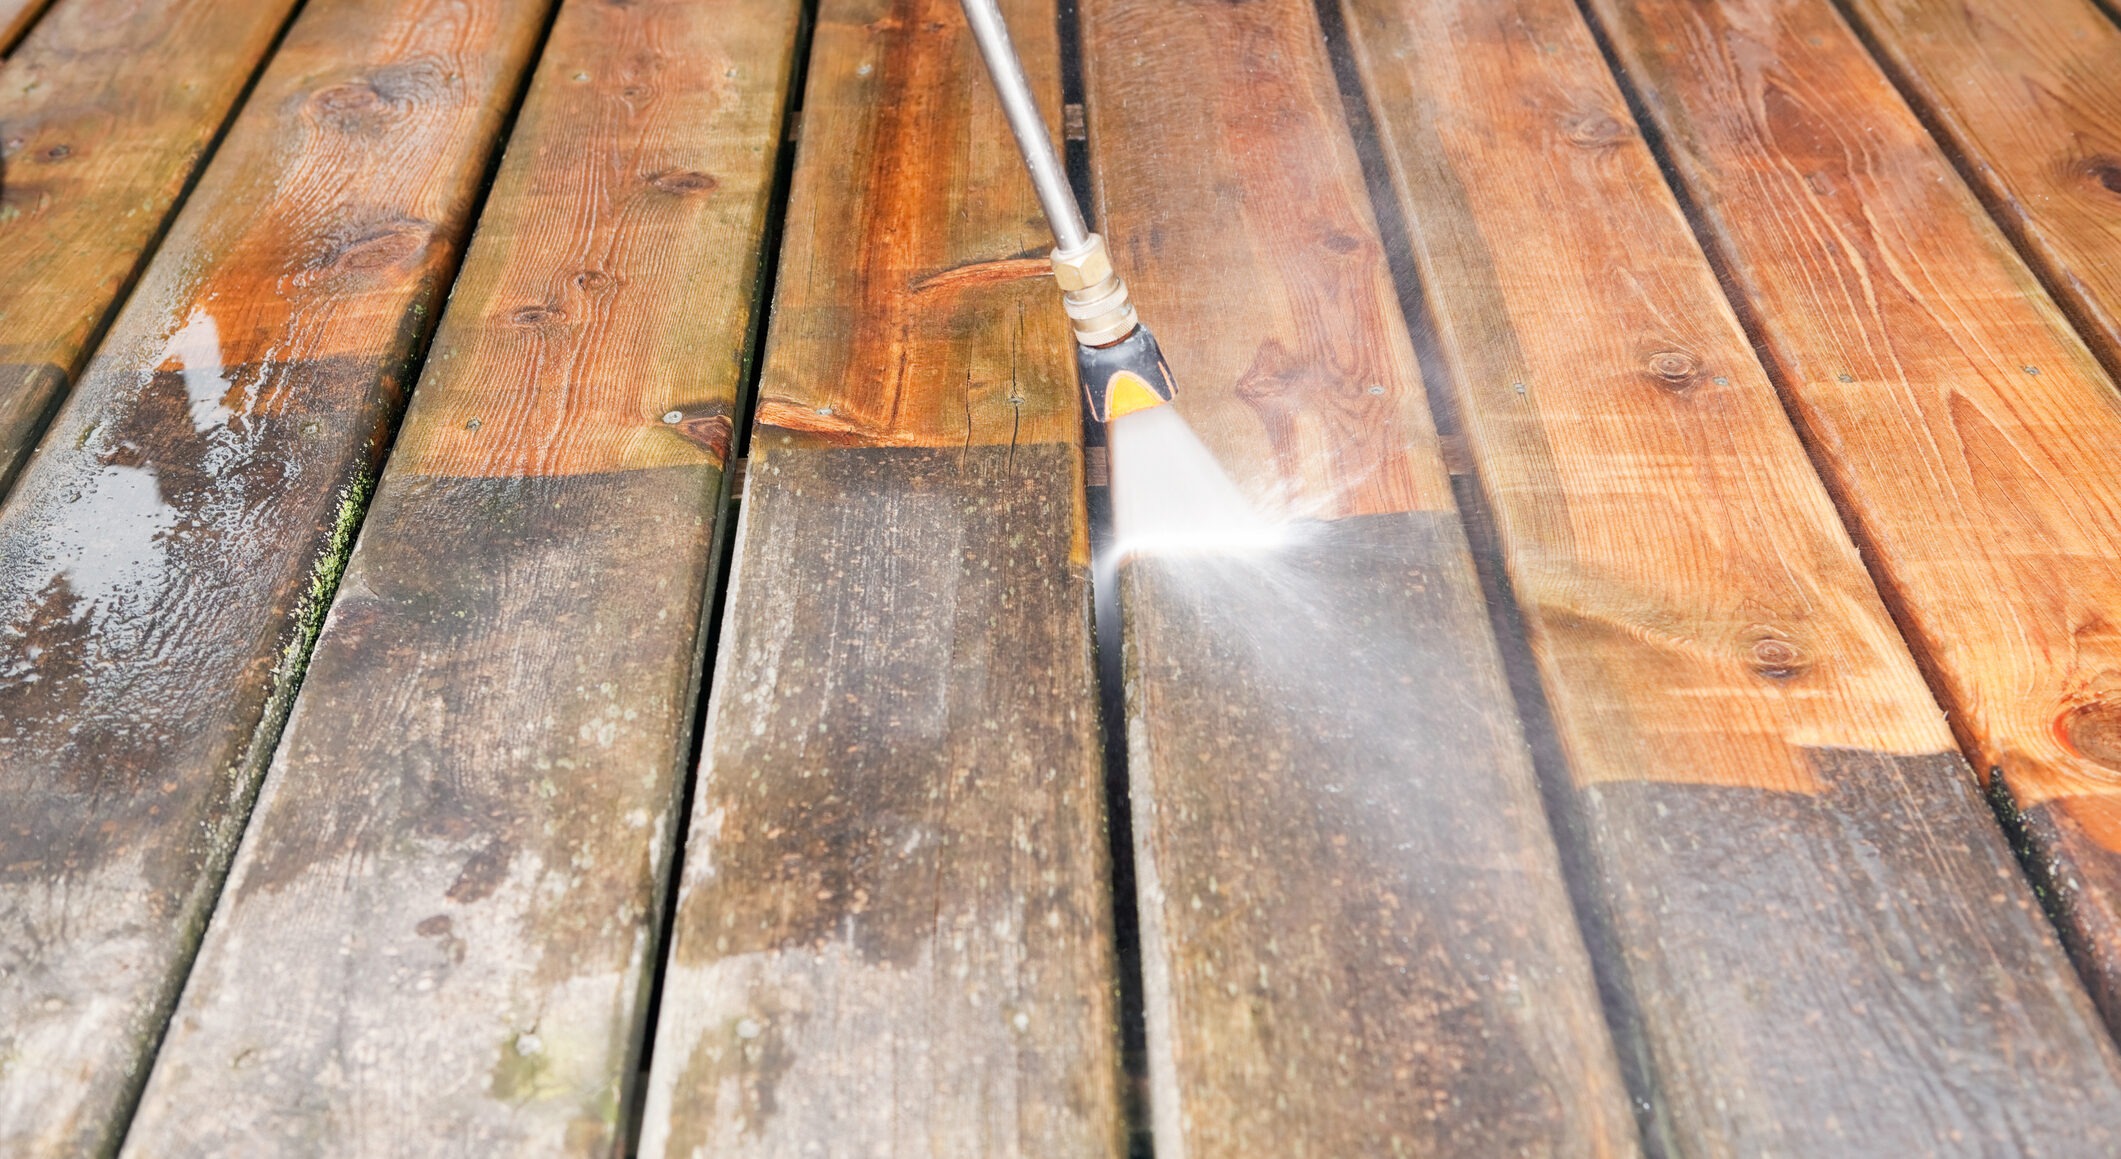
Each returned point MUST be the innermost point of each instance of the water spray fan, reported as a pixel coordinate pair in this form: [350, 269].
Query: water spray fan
[1122, 370]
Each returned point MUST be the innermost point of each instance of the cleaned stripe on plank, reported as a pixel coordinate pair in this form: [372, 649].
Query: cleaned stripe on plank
[2029, 93]
[893, 932]
[1822, 940]
[438, 930]
[1355, 935]
[1961, 420]
[165, 559]
[104, 113]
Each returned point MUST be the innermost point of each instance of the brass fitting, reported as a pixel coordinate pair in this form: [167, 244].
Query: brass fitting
[1094, 296]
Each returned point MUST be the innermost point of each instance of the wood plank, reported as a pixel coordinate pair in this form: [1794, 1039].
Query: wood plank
[165, 560]
[893, 929]
[1355, 935]
[1959, 419]
[2028, 92]
[438, 931]
[104, 114]
[1823, 943]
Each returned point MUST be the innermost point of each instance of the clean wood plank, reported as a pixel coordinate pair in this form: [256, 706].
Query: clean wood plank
[894, 931]
[1823, 942]
[104, 113]
[1355, 935]
[165, 560]
[1963, 424]
[437, 933]
[2029, 94]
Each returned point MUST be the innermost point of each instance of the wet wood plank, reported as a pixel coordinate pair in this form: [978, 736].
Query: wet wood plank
[438, 931]
[104, 114]
[1823, 944]
[1355, 936]
[2029, 93]
[1961, 421]
[164, 561]
[893, 928]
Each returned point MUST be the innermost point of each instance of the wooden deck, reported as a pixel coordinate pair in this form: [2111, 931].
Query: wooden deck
[548, 603]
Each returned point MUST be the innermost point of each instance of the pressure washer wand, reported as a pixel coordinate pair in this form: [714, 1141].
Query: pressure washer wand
[1121, 367]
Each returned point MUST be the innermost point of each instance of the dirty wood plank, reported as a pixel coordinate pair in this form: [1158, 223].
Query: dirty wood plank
[2029, 94]
[1821, 941]
[1960, 420]
[893, 928]
[104, 113]
[165, 560]
[438, 930]
[1355, 934]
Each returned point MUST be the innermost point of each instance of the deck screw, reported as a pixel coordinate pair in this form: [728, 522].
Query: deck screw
[1722, 381]
[1376, 389]
[1846, 377]
[472, 425]
[673, 416]
[2032, 370]
[1518, 387]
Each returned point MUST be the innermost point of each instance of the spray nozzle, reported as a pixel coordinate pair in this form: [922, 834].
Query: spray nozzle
[1127, 376]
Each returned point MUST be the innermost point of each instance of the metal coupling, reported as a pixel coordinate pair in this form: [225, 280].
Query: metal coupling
[1093, 294]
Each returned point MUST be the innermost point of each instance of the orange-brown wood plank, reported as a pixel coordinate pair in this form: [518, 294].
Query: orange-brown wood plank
[893, 927]
[165, 559]
[437, 933]
[1821, 942]
[1964, 425]
[104, 113]
[2029, 94]
[1355, 935]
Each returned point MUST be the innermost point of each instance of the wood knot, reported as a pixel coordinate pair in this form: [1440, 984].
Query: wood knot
[683, 181]
[434, 927]
[353, 107]
[2103, 171]
[1342, 243]
[380, 247]
[1774, 658]
[1593, 130]
[536, 315]
[592, 280]
[1673, 369]
[2093, 731]
[709, 430]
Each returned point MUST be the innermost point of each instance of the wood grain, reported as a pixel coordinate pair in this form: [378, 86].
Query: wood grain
[1956, 414]
[1821, 941]
[16, 16]
[104, 114]
[1355, 937]
[164, 561]
[438, 931]
[894, 928]
[2028, 92]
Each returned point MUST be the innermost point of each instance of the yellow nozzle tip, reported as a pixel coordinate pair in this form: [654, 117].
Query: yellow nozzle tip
[1130, 392]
